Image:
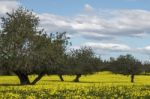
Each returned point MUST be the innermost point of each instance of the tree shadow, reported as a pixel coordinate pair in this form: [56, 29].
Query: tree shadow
[101, 82]
[52, 80]
[58, 81]
[10, 85]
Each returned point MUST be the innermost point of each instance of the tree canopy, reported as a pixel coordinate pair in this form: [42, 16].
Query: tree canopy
[25, 49]
[83, 61]
[126, 65]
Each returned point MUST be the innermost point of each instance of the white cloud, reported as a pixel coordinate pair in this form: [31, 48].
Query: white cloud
[145, 50]
[55, 23]
[132, 23]
[109, 47]
[105, 47]
[88, 8]
[102, 25]
[6, 6]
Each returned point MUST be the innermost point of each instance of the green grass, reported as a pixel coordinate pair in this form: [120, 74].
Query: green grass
[98, 86]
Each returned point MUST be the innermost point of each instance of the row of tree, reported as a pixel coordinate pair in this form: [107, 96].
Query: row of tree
[25, 49]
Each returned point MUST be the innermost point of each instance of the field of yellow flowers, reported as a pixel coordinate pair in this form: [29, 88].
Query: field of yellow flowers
[98, 86]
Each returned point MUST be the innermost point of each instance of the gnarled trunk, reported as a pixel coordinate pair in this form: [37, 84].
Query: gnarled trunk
[38, 78]
[132, 78]
[61, 77]
[77, 78]
[23, 77]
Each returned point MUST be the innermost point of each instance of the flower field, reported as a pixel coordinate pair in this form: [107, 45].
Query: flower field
[98, 86]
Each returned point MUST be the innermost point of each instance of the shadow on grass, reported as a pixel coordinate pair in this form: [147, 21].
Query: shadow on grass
[10, 85]
[86, 81]
[58, 81]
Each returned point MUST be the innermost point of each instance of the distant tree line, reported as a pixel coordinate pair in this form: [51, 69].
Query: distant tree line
[25, 50]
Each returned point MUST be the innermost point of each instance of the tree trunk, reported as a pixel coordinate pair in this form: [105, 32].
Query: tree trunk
[77, 78]
[61, 77]
[37, 78]
[132, 78]
[23, 77]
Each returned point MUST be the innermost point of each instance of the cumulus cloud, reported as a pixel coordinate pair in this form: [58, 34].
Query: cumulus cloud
[7, 5]
[145, 50]
[132, 23]
[107, 47]
[88, 8]
[95, 36]
[102, 25]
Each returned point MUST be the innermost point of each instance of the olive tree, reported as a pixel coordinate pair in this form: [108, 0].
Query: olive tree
[59, 42]
[126, 65]
[24, 48]
[146, 67]
[83, 61]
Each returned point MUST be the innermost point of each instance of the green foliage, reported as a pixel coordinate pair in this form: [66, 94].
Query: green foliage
[146, 67]
[83, 61]
[27, 50]
[126, 64]
[59, 42]
[18, 36]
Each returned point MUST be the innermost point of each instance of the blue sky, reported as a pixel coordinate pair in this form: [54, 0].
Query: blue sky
[110, 27]
[70, 7]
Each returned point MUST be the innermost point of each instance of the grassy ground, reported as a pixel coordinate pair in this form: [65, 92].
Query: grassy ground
[98, 86]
